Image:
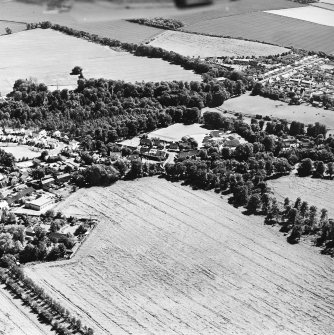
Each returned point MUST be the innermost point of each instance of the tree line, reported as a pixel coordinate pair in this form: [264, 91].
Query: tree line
[47, 307]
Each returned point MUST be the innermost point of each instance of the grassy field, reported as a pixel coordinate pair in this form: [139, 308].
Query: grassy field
[49, 56]
[15, 27]
[17, 319]
[250, 105]
[168, 260]
[309, 14]
[20, 151]
[316, 192]
[206, 46]
[270, 28]
[176, 131]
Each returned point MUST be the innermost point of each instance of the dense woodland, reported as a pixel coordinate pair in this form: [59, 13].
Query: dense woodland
[109, 110]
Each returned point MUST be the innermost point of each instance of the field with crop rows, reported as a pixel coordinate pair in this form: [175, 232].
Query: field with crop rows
[165, 259]
[49, 57]
[208, 46]
[318, 192]
[310, 14]
[225, 8]
[270, 28]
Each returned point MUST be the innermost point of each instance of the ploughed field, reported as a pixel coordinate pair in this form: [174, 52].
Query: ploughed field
[165, 259]
[208, 46]
[270, 28]
[49, 56]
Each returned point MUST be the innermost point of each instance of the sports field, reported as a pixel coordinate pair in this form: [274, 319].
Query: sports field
[208, 46]
[168, 260]
[270, 28]
[49, 57]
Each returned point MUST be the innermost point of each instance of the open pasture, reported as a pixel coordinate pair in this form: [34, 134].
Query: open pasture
[318, 192]
[207, 46]
[165, 259]
[49, 57]
[310, 14]
[270, 28]
[252, 105]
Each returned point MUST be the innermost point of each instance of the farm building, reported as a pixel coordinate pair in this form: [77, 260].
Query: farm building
[64, 177]
[40, 203]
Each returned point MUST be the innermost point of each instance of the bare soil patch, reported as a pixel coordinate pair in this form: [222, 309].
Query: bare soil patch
[207, 46]
[168, 260]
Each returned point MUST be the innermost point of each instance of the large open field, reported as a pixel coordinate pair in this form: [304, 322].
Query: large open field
[168, 260]
[17, 319]
[205, 46]
[316, 192]
[20, 151]
[176, 131]
[270, 28]
[49, 56]
[251, 105]
[310, 14]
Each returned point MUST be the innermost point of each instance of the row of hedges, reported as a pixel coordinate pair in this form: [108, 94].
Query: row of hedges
[47, 308]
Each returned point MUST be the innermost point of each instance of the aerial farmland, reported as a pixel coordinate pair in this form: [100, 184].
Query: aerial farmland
[166, 169]
[166, 259]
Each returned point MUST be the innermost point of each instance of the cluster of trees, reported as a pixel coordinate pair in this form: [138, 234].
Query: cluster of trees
[41, 247]
[318, 168]
[47, 308]
[7, 159]
[159, 22]
[109, 110]
[107, 174]
[301, 219]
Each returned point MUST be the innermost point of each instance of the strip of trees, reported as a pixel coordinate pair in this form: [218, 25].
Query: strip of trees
[159, 22]
[47, 307]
